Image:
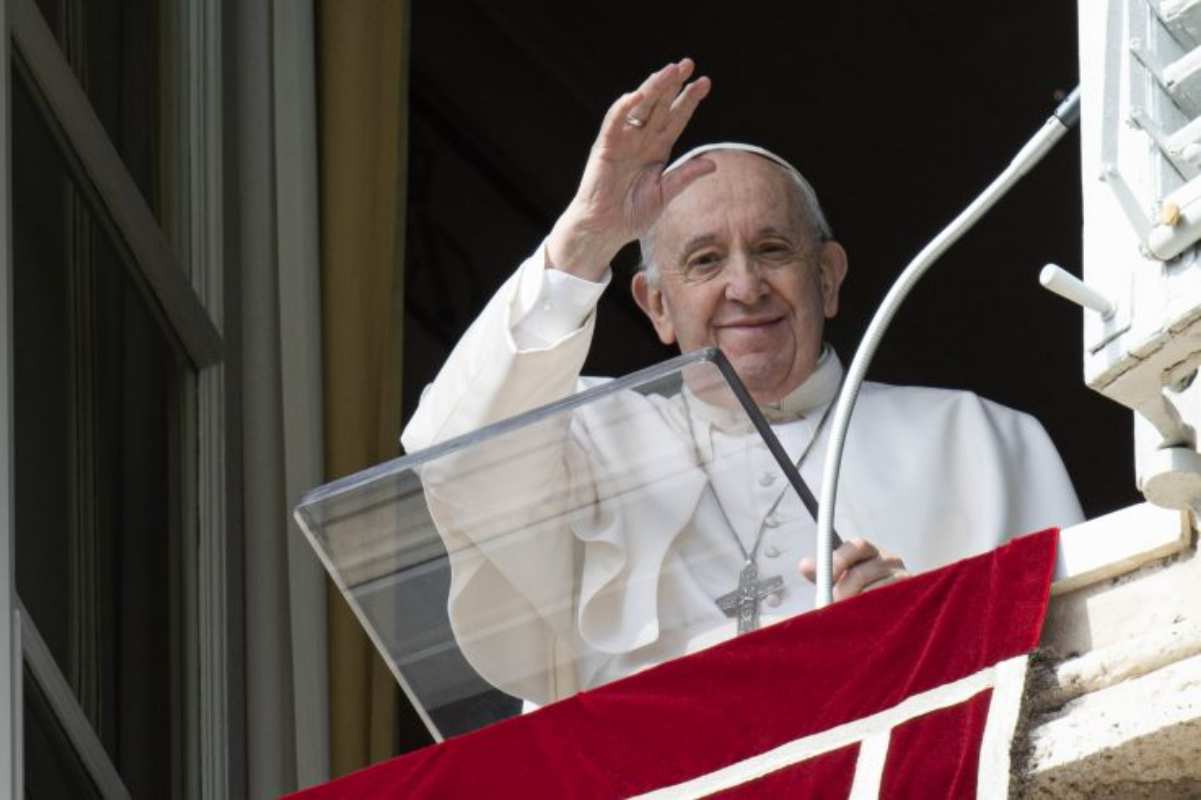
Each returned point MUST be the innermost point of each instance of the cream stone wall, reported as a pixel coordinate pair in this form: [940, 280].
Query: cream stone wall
[1116, 713]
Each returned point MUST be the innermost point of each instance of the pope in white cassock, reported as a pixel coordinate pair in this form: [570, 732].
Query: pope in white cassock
[738, 255]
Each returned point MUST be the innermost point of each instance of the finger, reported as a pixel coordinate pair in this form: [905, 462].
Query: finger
[682, 108]
[847, 555]
[899, 574]
[683, 176]
[876, 571]
[667, 91]
[658, 90]
[616, 121]
[850, 553]
[628, 104]
[644, 98]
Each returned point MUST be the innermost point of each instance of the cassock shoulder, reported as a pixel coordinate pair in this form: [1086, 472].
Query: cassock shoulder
[981, 448]
[948, 409]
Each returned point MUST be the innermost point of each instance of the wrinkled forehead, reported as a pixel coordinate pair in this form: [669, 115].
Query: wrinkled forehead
[746, 192]
[749, 170]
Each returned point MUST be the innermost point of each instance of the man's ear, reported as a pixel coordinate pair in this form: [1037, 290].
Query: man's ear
[833, 261]
[650, 299]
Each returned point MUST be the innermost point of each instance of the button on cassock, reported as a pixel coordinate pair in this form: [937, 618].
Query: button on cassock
[767, 479]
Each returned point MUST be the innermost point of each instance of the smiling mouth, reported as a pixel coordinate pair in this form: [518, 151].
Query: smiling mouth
[750, 324]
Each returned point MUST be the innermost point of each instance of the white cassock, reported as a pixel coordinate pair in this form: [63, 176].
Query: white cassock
[624, 546]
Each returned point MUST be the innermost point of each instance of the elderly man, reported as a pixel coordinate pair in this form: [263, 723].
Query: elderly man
[737, 254]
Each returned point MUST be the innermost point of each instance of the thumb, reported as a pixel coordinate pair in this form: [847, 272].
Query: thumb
[808, 568]
[683, 176]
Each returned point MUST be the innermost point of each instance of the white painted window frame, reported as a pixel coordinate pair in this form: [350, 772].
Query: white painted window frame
[294, 82]
[190, 300]
[11, 716]
[211, 713]
[75, 723]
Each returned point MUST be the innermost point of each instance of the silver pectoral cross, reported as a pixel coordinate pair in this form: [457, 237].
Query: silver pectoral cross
[743, 602]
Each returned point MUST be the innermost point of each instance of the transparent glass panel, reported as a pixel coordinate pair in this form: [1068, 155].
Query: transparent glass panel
[95, 388]
[569, 546]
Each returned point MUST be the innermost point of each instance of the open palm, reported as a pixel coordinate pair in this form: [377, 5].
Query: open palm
[623, 190]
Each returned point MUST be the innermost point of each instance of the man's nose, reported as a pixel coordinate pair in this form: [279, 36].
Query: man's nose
[744, 279]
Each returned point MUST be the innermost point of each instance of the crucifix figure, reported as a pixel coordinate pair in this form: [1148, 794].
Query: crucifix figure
[743, 602]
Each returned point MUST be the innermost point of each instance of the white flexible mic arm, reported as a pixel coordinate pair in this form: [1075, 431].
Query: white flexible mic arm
[1038, 146]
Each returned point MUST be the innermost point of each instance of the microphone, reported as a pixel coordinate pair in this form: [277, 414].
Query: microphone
[1059, 123]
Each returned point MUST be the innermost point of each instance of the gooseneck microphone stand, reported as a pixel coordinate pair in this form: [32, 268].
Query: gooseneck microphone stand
[1065, 116]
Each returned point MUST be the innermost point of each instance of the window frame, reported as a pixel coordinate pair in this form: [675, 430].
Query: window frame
[185, 287]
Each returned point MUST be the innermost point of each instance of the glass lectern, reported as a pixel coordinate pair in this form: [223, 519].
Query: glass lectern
[571, 545]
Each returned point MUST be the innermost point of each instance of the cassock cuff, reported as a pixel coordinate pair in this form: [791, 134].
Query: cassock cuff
[550, 304]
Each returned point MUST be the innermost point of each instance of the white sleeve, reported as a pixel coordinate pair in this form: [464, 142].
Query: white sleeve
[525, 349]
[550, 304]
[509, 600]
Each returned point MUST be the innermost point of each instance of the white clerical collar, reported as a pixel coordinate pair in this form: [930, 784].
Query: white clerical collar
[819, 389]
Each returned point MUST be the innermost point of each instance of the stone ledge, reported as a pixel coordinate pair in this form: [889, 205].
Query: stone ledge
[1143, 735]
[1118, 662]
[1117, 712]
[1117, 609]
[1104, 547]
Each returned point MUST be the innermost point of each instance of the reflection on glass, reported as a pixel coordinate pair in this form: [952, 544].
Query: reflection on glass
[565, 548]
[94, 390]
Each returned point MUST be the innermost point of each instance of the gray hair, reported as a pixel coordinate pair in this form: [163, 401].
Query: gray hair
[811, 209]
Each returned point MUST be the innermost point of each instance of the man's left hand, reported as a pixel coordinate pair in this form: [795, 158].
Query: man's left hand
[858, 566]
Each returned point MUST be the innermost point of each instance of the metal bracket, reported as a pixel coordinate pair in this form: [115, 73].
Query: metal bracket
[1144, 58]
[1142, 120]
[1110, 173]
[1129, 204]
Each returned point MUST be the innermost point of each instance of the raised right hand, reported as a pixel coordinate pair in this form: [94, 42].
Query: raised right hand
[624, 190]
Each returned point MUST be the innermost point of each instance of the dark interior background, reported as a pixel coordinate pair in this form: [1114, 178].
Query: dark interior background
[899, 113]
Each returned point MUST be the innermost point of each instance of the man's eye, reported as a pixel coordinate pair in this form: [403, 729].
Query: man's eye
[704, 262]
[774, 249]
